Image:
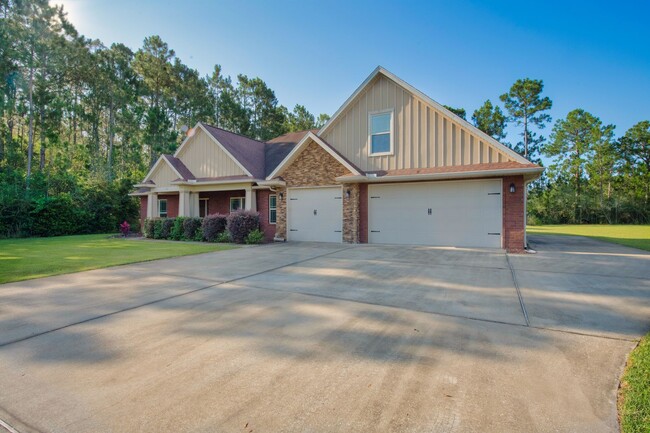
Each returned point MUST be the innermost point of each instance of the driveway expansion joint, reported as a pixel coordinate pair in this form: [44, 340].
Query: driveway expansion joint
[521, 299]
[166, 298]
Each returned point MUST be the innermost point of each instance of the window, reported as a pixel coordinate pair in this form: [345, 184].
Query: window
[273, 208]
[381, 128]
[203, 207]
[237, 203]
[162, 208]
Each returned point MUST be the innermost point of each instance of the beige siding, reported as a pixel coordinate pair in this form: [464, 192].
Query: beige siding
[205, 158]
[163, 175]
[423, 137]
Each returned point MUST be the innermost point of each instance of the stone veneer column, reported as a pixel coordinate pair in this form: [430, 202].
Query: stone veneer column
[351, 213]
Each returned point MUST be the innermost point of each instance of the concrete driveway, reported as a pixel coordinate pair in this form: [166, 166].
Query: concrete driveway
[318, 337]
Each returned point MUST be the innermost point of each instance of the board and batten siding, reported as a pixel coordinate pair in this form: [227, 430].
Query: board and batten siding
[163, 175]
[423, 137]
[205, 158]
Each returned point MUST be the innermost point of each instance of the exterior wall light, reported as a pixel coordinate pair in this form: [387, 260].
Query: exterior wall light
[347, 194]
[512, 188]
[281, 196]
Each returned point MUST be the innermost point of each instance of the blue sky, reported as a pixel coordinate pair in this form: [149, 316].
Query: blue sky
[593, 55]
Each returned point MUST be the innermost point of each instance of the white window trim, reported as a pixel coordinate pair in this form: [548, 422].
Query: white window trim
[275, 208]
[160, 200]
[391, 132]
[243, 203]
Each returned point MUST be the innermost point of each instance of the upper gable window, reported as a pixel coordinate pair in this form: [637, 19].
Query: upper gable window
[381, 133]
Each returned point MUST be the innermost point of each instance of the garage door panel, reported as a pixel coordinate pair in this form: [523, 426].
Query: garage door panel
[461, 213]
[315, 214]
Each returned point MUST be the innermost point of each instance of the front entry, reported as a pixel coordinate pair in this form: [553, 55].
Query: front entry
[315, 214]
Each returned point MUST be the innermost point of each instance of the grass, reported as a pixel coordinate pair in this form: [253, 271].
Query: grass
[23, 259]
[636, 236]
[634, 393]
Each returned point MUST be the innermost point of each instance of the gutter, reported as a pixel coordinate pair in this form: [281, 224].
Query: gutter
[193, 182]
[531, 173]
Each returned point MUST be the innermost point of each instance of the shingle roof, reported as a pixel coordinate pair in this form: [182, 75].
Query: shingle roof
[278, 148]
[179, 166]
[259, 158]
[248, 152]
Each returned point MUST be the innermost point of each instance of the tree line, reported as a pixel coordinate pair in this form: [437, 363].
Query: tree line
[81, 122]
[594, 176]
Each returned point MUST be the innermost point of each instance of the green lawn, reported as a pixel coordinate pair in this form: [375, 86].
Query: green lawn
[637, 236]
[23, 259]
[634, 394]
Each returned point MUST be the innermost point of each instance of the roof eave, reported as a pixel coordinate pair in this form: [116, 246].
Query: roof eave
[213, 182]
[531, 173]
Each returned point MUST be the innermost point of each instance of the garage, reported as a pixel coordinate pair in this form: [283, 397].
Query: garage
[315, 214]
[453, 213]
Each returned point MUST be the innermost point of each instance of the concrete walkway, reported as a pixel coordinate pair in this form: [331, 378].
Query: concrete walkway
[322, 337]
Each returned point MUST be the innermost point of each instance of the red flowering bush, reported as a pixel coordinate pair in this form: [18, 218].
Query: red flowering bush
[125, 227]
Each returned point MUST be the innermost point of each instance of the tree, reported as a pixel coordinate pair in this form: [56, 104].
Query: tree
[300, 119]
[491, 120]
[460, 112]
[322, 120]
[572, 144]
[526, 107]
[634, 147]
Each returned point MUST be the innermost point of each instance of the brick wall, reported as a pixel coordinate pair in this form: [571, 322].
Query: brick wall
[172, 204]
[514, 229]
[219, 201]
[313, 167]
[263, 209]
[143, 211]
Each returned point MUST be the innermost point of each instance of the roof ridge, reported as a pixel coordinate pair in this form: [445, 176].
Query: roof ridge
[231, 132]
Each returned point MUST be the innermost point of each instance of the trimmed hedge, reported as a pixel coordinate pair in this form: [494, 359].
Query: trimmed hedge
[240, 227]
[147, 230]
[241, 223]
[166, 229]
[190, 227]
[213, 225]
[177, 229]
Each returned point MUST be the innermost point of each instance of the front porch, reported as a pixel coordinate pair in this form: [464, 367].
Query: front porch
[200, 199]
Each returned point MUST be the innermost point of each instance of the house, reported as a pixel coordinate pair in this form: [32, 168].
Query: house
[392, 166]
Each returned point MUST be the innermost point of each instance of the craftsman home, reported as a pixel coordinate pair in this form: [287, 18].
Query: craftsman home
[392, 166]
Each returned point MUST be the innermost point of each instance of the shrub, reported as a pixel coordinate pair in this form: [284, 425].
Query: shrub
[241, 223]
[198, 235]
[157, 228]
[55, 216]
[166, 229]
[177, 229]
[190, 226]
[213, 225]
[148, 228]
[223, 237]
[255, 237]
[125, 227]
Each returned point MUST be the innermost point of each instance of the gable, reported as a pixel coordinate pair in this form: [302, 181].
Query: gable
[162, 175]
[313, 166]
[424, 134]
[205, 158]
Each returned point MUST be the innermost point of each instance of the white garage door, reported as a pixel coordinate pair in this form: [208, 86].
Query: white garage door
[458, 213]
[315, 214]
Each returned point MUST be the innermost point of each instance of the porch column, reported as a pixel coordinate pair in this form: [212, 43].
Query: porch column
[194, 204]
[184, 208]
[251, 199]
[152, 205]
